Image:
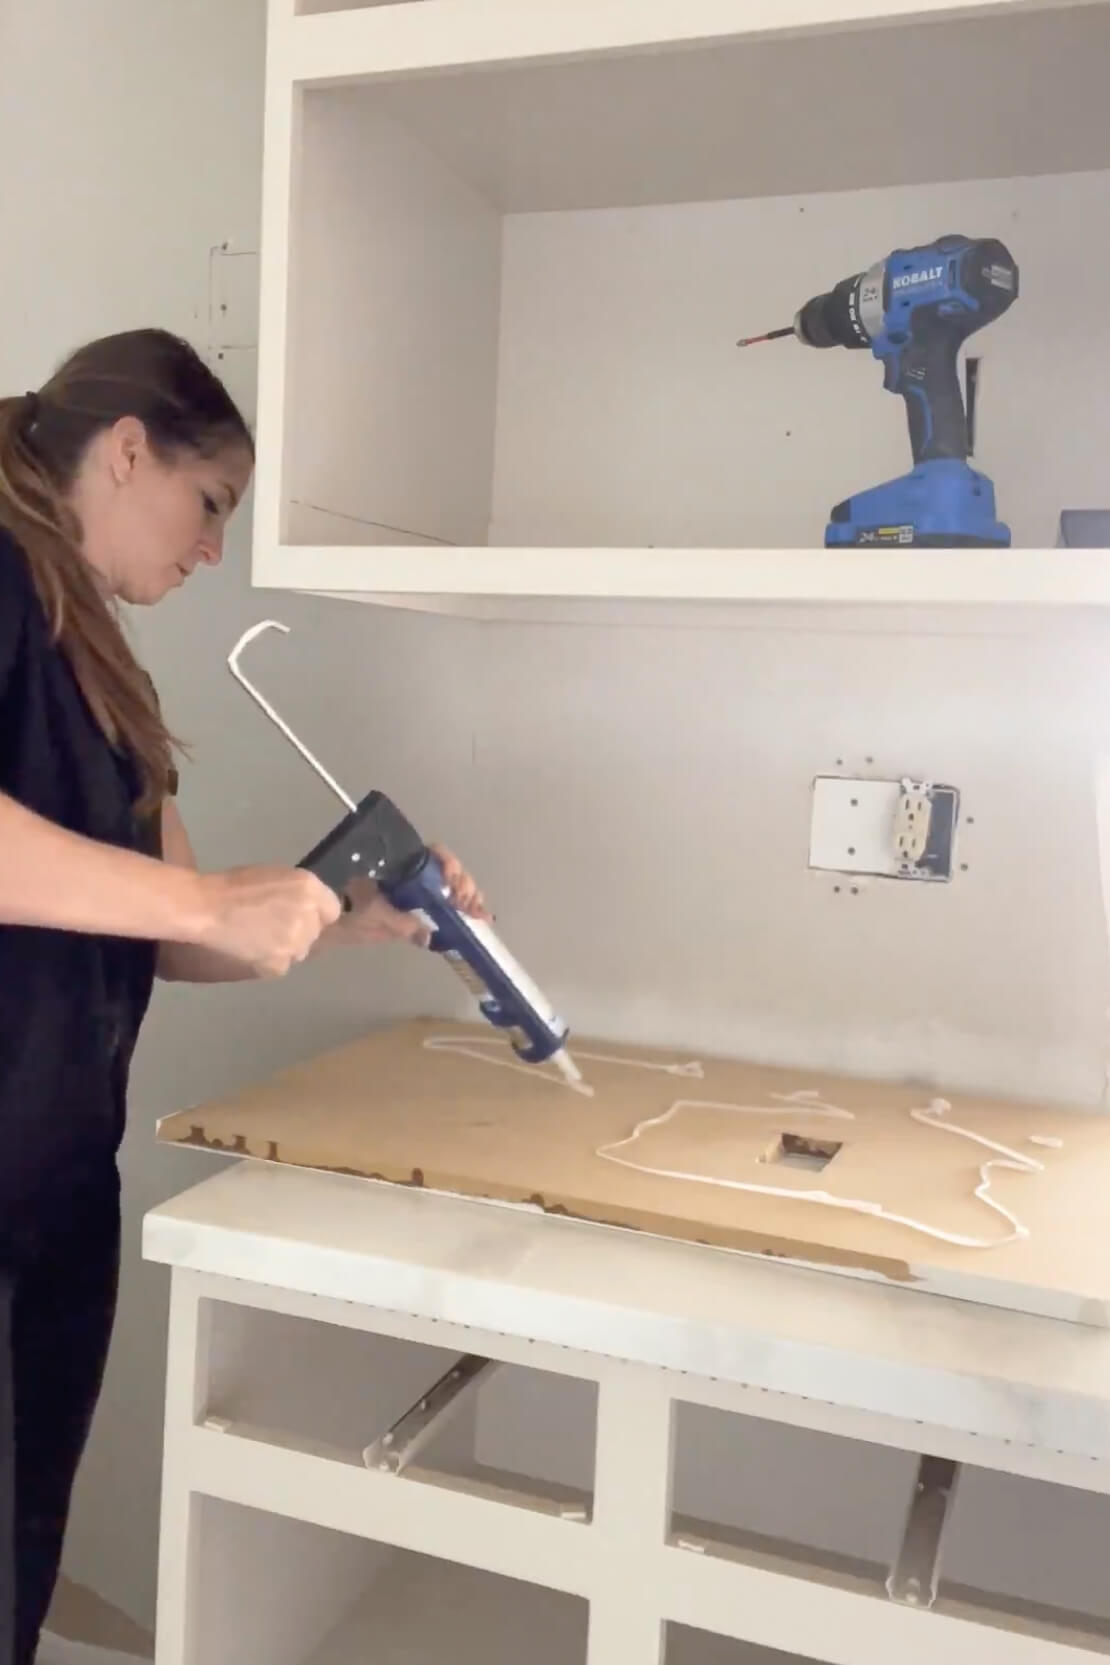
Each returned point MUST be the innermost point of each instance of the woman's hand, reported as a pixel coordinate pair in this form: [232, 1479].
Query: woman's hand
[372, 919]
[464, 892]
[251, 922]
[262, 918]
[259, 922]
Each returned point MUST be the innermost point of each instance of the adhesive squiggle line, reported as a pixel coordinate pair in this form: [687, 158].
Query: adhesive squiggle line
[691, 1072]
[1005, 1158]
[807, 1102]
[464, 1048]
[534, 1072]
[467, 1049]
[927, 1118]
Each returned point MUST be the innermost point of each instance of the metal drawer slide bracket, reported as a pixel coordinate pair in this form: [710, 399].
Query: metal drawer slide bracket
[915, 1574]
[394, 1450]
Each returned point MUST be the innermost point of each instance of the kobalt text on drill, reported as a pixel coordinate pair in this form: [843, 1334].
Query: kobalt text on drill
[915, 310]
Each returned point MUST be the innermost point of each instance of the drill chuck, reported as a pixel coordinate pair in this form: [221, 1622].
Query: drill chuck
[848, 315]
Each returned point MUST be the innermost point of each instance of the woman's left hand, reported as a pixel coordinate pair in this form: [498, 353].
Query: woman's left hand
[464, 892]
[372, 919]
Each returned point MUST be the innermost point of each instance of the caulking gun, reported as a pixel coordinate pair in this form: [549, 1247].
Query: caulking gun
[375, 841]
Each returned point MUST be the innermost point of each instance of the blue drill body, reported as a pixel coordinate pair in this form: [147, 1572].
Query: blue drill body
[915, 310]
[377, 842]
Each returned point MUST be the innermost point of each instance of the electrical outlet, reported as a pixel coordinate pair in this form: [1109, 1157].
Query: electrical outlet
[893, 829]
[911, 824]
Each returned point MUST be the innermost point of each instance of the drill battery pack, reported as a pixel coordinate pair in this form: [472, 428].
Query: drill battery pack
[941, 504]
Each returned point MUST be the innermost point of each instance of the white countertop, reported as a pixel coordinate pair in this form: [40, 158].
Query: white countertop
[1037, 1382]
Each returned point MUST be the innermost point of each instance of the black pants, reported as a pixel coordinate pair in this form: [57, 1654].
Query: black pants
[57, 1306]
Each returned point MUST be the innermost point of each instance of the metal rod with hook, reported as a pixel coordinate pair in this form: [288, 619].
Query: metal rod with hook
[263, 703]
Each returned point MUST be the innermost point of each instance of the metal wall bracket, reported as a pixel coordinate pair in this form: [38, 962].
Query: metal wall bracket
[394, 1450]
[914, 1576]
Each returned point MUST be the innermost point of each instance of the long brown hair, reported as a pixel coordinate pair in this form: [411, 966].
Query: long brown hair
[159, 379]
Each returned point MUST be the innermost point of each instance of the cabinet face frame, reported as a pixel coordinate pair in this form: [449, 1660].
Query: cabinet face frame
[637, 1565]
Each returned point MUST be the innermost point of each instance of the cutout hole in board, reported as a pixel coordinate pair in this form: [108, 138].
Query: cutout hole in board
[791, 1150]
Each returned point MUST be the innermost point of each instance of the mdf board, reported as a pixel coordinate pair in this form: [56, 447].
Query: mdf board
[984, 1200]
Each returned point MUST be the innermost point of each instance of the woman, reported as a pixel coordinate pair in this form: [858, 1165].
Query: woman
[117, 479]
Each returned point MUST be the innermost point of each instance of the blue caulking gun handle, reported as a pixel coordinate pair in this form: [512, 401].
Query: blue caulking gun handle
[375, 841]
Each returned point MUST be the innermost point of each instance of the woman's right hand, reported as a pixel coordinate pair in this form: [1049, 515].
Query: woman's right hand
[266, 917]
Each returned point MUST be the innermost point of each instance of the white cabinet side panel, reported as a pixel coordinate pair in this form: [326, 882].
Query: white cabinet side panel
[393, 337]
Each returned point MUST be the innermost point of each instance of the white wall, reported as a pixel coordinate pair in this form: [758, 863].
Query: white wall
[627, 414]
[421, 268]
[640, 808]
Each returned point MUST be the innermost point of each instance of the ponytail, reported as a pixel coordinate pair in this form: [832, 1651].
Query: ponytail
[43, 437]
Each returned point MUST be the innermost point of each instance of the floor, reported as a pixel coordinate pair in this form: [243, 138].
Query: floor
[84, 1630]
[437, 1611]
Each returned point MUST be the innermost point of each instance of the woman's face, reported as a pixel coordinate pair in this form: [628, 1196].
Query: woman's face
[146, 523]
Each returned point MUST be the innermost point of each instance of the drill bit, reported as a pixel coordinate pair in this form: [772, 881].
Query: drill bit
[771, 335]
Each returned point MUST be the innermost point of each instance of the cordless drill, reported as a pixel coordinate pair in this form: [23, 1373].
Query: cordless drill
[915, 310]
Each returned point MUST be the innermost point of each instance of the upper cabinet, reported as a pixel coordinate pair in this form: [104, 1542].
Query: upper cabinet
[509, 248]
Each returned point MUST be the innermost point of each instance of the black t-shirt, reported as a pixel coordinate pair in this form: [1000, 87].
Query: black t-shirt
[70, 1003]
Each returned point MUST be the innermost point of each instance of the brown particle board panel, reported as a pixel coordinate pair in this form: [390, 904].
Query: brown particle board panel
[389, 1108]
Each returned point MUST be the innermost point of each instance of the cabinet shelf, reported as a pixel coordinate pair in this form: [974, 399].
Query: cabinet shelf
[426, 1610]
[432, 1610]
[509, 246]
[932, 578]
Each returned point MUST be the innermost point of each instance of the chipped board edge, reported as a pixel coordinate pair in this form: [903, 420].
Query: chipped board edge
[584, 1210]
[966, 1287]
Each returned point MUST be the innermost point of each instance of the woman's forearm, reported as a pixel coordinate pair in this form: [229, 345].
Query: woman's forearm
[186, 962]
[54, 878]
[194, 963]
